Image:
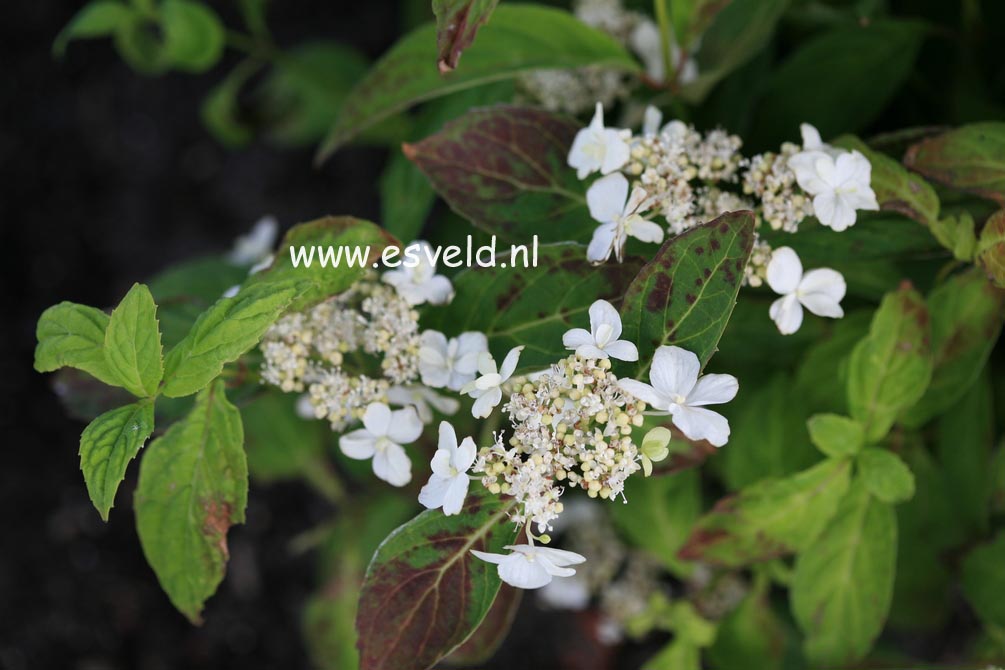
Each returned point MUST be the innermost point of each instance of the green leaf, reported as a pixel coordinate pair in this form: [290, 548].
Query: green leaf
[737, 33]
[885, 475]
[828, 360]
[106, 447]
[534, 306]
[219, 110]
[840, 81]
[691, 18]
[193, 35]
[967, 315]
[769, 519]
[139, 41]
[504, 169]
[991, 248]
[225, 331]
[72, 335]
[361, 242]
[519, 38]
[133, 343]
[492, 632]
[843, 582]
[685, 295]
[193, 486]
[457, 22]
[100, 18]
[660, 515]
[836, 435]
[280, 445]
[751, 636]
[874, 237]
[890, 368]
[984, 580]
[423, 573]
[896, 189]
[970, 158]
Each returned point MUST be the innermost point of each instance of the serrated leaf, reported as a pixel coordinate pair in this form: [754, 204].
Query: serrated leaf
[360, 241]
[885, 475]
[457, 22]
[193, 487]
[424, 592]
[991, 248]
[133, 343]
[890, 368]
[106, 447]
[984, 580]
[967, 314]
[504, 169]
[969, 158]
[684, 296]
[100, 18]
[519, 38]
[225, 331]
[769, 519]
[72, 335]
[843, 582]
[836, 435]
[193, 35]
[533, 306]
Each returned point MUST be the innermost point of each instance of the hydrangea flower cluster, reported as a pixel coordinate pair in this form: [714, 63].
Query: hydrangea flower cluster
[687, 177]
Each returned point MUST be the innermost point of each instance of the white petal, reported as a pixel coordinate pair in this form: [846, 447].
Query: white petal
[674, 371]
[602, 243]
[787, 314]
[824, 280]
[713, 390]
[447, 438]
[489, 557]
[833, 211]
[699, 423]
[435, 340]
[517, 571]
[486, 364]
[579, 158]
[560, 557]
[652, 120]
[645, 393]
[804, 166]
[590, 351]
[457, 490]
[441, 403]
[606, 197]
[510, 362]
[602, 313]
[784, 271]
[393, 465]
[432, 494]
[646, 231]
[484, 405]
[623, 350]
[552, 569]
[465, 455]
[471, 342]
[440, 464]
[438, 290]
[616, 151]
[358, 444]
[405, 426]
[576, 337]
[377, 419]
[811, 136]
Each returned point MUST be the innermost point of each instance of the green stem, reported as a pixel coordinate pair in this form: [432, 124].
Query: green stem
[666, 39]
[322, 478]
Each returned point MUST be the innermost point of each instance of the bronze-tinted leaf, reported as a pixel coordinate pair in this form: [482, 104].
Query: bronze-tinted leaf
[457, 22]
[970, 158]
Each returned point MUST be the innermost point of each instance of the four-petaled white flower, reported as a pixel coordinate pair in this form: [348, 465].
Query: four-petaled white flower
[619, 216]
[838, 181]
[423, 399]
[601, 341]
[448, 485]
[599, 148]
[450, 363]
[417, 281]
[487, 389]
[677, 390]
[381, 438]
[530, 566]
[819, 291]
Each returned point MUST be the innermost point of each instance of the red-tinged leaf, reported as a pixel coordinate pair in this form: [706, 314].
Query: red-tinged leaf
[457, 22]
[769, 519]
[685, 295]
[504, 169]
[480, 647]
[425, 593]
[970, 158]
[991, 248]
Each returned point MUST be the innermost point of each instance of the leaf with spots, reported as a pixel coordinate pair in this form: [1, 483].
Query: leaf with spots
[457, 23]
[193, 487]
[533, 306]
[504, 169]
[969, 158]
[685, 295]
[425, 593]
[106, 447]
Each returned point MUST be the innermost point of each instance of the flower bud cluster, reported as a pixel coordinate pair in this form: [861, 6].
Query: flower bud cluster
[770, 179]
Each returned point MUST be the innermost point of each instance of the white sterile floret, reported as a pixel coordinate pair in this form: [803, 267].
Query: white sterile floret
[620, 217]
[450, 363]
[601, 341]
[597, 148]
[381, 438]
[819, 291]
[256, 246]
[531, 567]
[423, 399]
[839, 183]
[678, 390]
[417, 282]
[448, 485]
[487, 389]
